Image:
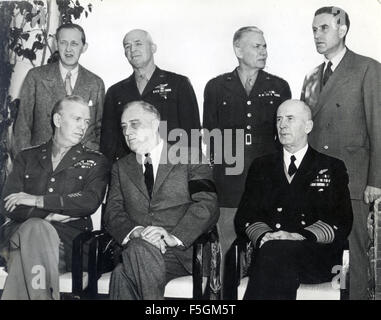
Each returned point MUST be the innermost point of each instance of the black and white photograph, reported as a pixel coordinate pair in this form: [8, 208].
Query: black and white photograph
[190, 151]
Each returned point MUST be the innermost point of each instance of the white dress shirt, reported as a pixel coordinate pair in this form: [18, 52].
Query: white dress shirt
[74, 74]
[299, 155]
[335, 60]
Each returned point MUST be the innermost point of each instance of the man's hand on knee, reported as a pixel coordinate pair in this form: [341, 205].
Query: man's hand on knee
[153, 234]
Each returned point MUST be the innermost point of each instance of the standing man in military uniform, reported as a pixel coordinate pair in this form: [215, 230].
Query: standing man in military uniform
[172, 94]
[48, 199]
[246, 98]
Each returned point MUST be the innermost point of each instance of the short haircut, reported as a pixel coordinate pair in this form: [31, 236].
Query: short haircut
[241, 31]
[72, 26]
[149, 108]
[343, 17]
[58, 106]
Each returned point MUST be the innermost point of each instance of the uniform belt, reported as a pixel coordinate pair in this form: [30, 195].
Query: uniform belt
[248, 139]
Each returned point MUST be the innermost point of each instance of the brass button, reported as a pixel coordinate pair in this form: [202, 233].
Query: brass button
[271, 102]
[303, 222]
[248, 127]
[52, 180]
[224, 103]
[325, 147]
[277, 225]
[27, 176]
[279, 209]
[248, 102]
[80, 177]
[50, 189]
[249, 115]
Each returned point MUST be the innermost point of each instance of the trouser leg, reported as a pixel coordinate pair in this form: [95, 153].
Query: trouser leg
[33, 262]
[358, 243]
[280, 265]
[143, 273]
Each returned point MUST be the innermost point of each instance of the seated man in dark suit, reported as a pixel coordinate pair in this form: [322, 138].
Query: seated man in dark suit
[296, 211]
[48, 199]
[158, 205]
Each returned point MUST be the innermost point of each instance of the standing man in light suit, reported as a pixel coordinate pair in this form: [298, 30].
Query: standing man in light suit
[44, 86]
[157, 207]
[344, 96]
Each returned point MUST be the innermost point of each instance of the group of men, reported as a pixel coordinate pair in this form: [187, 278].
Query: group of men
[294, 200]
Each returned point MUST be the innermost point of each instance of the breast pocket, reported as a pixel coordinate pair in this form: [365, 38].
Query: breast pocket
[226, 112]
[75, 180]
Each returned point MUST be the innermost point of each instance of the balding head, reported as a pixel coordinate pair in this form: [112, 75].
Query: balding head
[294, 124]
[139, 48]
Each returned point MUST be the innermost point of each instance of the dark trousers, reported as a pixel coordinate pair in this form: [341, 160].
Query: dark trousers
[358, 246]
[279, 266]
[144, 272]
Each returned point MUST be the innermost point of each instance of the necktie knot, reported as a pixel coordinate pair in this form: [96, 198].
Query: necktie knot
[292, 167]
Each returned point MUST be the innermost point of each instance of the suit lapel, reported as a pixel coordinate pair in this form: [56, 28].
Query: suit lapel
[45, 157]
[338, 78]
[81, 87]
[233, 84]
[165, 167]
[134, 171]
[305, 172]
[74, 155]
[158, 77]
[53, 81]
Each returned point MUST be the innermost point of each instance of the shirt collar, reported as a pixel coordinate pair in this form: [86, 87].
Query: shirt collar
[155, 155]
[147, 74]
[64, 71]
[299, 155]
[336, 59]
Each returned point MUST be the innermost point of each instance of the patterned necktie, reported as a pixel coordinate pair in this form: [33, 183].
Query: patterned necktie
[292, 167]
[148, 174]
[68, 88]
[327, 73]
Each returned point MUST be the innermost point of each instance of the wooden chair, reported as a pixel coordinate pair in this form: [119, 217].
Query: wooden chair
[240, 258]
[204, 283]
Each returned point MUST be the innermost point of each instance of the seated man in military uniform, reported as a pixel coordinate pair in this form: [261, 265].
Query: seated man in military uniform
[48, 199]
[296, 211]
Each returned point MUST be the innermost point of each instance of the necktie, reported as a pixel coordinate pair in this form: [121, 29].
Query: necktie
[68, 88]
[148, 174]
[292, 167]
[249, 85]
[327, 73]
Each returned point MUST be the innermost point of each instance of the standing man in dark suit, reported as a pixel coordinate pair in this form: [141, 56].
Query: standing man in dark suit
[296, 210]
[344, 96]
[48, 199]
[172, 94]
[245, 99]
[157, 207]
[45, 85]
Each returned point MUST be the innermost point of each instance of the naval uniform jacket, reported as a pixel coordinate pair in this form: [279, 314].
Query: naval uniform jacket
[42, 88]
[316, 204]
[75, 188]
[172, 95]
[227, 106]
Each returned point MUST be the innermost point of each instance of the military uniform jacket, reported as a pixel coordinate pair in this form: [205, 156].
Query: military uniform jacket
[75, 188]
[184, 201]
[316, 204]
[347, 116]
[173, 96]
[42, 88]
[227, 106]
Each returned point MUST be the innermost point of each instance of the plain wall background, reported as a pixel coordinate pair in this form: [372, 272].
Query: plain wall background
[194, 37]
